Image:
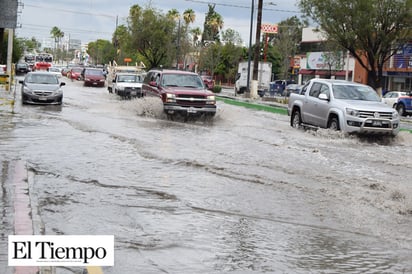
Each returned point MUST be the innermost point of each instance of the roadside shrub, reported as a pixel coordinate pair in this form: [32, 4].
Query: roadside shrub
[217, 89]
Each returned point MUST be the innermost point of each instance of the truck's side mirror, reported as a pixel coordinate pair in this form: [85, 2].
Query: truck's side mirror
[237, 76]
[153, 84]
[323, 96]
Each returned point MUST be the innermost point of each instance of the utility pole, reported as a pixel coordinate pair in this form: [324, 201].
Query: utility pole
[253, 93]
[250, 49]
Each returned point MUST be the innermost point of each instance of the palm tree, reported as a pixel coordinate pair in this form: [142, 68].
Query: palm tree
[213, 22]
[189, 16]
[57, 34]
[196, 33]
[173, 14]
[216, 22]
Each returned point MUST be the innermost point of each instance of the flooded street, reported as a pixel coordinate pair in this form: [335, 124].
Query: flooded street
[244, 193]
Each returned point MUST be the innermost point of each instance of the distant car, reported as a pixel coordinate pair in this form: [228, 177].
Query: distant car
[128, 85]
[75, 73]
[65, 70]
[22, 68]
[56, 71]
[291, 88]
[277, 87]
[391, 98]
[41, 87]
[94, 77]
[208, 81]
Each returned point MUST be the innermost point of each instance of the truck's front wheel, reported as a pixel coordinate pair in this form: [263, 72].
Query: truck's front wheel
[334, 123]
[296, 120]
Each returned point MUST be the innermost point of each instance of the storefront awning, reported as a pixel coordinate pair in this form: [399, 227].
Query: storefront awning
[324, 72]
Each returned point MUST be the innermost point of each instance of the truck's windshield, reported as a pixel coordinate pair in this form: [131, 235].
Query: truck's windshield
[352, 92]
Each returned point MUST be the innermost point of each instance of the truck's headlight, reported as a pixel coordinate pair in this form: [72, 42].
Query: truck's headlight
[170, 98]
[352, 112]
[395, 114]
[211, 99]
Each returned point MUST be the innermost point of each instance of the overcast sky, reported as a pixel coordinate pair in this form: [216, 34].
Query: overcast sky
[89, 20]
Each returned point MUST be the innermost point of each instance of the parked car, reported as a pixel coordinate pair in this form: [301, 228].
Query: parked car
[75, 73]
[208, 81]
[22, 68]
[93, 77]
[277, 87]
[41, 87]
[128, 85]
[181, 92]
[291, 88]
[391, 98]
[404, 104]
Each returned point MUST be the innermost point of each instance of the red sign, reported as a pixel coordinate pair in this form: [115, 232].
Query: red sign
[269, 28]
[127, 60]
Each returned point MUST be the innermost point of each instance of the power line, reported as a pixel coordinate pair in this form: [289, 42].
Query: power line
[71, 11]
[238, 6]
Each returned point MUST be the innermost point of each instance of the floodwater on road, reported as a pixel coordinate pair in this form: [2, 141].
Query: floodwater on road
[244, 193]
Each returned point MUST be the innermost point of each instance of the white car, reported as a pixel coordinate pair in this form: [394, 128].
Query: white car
[391, 98]
[128, 85]
[56, 71]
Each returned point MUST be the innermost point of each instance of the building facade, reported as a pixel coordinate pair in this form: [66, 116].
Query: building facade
[315, 61]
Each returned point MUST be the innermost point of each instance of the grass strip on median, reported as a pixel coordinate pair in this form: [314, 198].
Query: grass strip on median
[268, 108]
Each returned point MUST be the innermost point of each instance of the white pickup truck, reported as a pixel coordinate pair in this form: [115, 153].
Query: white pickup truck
[342, 105]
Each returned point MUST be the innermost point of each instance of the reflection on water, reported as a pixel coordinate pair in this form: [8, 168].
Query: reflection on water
[244, 194]
[327, 251]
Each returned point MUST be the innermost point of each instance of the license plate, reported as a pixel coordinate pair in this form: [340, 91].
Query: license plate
[43, 98]
[191, 110]
[133, 93]
[377, 123]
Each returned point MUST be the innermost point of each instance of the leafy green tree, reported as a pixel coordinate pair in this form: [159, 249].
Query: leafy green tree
[152, 35]
[210, 57]
[212, 25]
[17, 48]
[230, 55]
[286, 41]
[121, 43]
[30, 45]
[371, 30]
[232, 36]
[101, 51]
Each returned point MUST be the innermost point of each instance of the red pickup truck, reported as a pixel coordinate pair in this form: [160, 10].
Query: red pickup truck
[182, 93]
